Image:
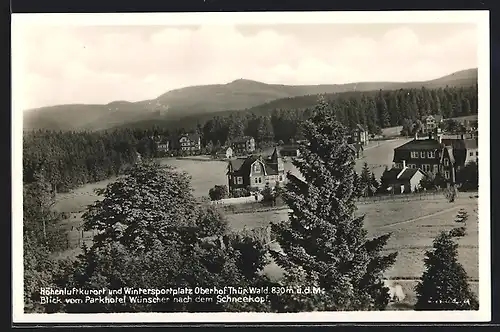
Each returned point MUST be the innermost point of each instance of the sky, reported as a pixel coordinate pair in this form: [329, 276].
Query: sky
[63, 64]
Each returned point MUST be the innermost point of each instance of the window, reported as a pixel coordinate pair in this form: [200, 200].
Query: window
[240, 180]
[256, 168]
[235, 180]
[431, 154]
[477, 153]
[446, 161]
[281, 178]
[426, 168]
[412, 166]
[471, 153]
[414, 154]
[422, 154]
[260, 180]
[256, 180]
[447, 174]
[436, 169]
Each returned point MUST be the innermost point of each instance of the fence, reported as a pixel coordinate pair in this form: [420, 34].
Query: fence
[415, 196]
[238, 200]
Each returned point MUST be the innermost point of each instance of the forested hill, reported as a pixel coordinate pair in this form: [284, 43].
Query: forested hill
[204, 101]
[374, 109]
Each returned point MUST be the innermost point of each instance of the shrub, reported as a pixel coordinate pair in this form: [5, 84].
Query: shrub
[218, 192]
[458, 232]
[240, 192]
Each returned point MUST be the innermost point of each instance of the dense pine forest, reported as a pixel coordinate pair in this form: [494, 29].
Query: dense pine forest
[281, 119]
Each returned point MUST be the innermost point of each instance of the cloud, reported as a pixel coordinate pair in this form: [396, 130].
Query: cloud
[82, 65]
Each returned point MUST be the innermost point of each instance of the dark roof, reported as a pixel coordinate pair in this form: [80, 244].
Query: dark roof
[192, 137]
[274, 157]
[242, 165]
[360, 127]
[461, 144]
[242, 139]
[451, 155]
[407, 174]
[289, 147]
[426, 144]
[238, 163]
[471, 143]
[271, 169]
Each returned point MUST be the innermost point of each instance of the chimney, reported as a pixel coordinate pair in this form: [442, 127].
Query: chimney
[404, 164]
[416, 135]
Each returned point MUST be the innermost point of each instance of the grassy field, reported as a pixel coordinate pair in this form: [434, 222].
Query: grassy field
[413, 226]
[379, 154]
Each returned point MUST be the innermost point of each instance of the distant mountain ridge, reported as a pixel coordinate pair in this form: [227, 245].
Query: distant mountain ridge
[199, 100]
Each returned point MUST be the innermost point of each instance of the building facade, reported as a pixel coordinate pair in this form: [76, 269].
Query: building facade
[243, 145]
[402, 180]
[430, 123]
[190, 142]
[256, 171]
[436, 155]
[359, 136]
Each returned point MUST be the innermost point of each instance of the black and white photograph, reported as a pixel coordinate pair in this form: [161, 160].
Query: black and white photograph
[244, 167]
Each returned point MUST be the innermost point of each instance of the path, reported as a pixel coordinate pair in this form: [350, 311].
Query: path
[422, 217]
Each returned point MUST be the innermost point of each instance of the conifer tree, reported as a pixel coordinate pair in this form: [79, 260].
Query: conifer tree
[324, 245]
[374, 183]
[443, 285]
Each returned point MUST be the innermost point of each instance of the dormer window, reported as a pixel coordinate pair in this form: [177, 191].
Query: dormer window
[414, 154]
[422, 154]
[431, 154]
[446, 162]
[256, 168]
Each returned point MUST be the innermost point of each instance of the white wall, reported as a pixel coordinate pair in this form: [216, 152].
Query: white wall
[239, 200]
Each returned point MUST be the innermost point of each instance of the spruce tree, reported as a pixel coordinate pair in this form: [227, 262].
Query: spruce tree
[366, 182]
[374, 184]
[323, 244]
[443, 285]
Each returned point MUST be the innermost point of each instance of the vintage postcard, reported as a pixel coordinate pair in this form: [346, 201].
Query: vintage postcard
[251, 167]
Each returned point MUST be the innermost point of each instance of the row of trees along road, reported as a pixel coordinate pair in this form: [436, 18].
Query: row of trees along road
[151, 233]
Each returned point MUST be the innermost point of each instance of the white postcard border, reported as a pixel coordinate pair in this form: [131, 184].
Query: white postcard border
[479, 18]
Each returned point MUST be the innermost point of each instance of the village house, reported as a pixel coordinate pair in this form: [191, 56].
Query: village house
[190, 142]
[402, 180]
[256, 171]
[243, 145]
[436, 155]
[430, 123]
[162, 145]
[225, 153]
[359, 135]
